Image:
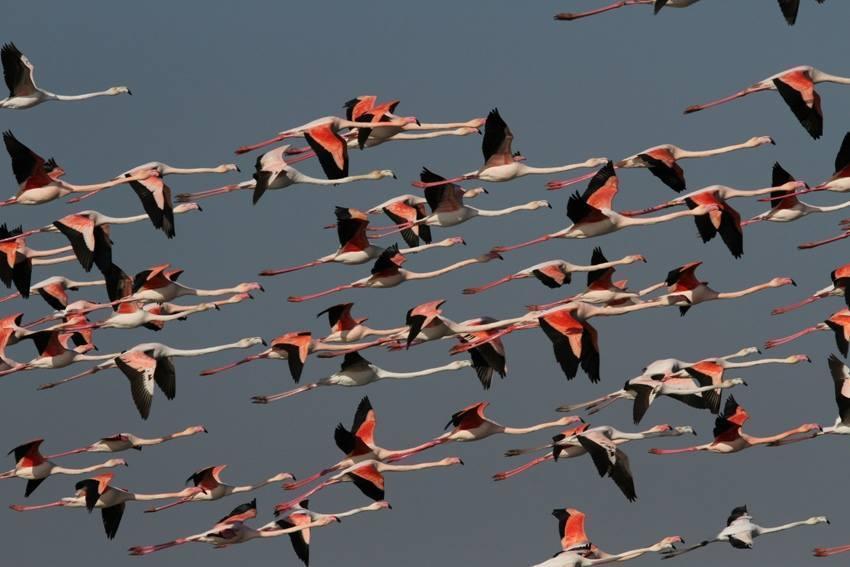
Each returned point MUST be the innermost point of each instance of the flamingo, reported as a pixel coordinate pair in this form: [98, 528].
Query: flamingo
[405, 209]
[147, 364]
[17, 259]
[683, 285]
[838, 323]
[151, 316]
[841, 384]
[300, 514]
[840, 277]
[54, 290]
[657, 5]
[565, 445]
[387, 272]
[354, 246]
[163, 169]
[208, 487]
[54, 352]
[790, 8]
[357, 371]
[327, 127]
[231, 530]
[785, 206]
[19, 74]
[448, 209]
[500, 162]
[592, 215]
[724, 220]
[796, 86]
[688, 382]
[89, 234]
[125, 441]
[662, 162]
[729, 436]
[358, 445]
[292, 347]
[158, 285]
[470, 424]
[556, 273]
[368, 477]
[32, 466]
[347, 329]
[98, 492]
[39, 179]
[740, 531]
[272, 171]
[574, 538]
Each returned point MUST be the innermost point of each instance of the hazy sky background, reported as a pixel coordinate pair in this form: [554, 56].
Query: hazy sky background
[208, 78]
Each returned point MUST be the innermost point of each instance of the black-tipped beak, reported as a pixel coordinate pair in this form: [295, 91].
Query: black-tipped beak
[418, 123]
[793, 283]
[772, 143]
[394, 176]
[263, 342]
[549, 205]
[205, 430]
[262, 289]
[126, 464]
[758, 350]
[200, 210]
[827, 521]
[217, 308]
[808, 359]
[129, 92]
[390, 507]
[745, 383]
[238, 170]
[694, 432]
[581, 419]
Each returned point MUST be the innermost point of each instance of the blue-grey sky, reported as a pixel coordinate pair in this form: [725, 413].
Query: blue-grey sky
[207, 78]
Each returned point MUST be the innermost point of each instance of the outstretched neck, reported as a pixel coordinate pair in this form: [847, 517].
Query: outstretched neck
[531, 428]
[384, 374]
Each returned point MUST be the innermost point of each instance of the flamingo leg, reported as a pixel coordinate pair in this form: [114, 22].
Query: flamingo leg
[531, 464]
[50, 385]
[10, 296]
[555, 185]
[425, 185]
[827, 551]
[793, 306]
[279, 271]
[167, 506]
[191, 197]
[537, 240]
[567, 16]
[300, 298]
[250, 148]
[737, 95]
[20, 508]
[310, 479]
[282, 395]
[816, 243]
[146, 549]
[500, 281]
[211, 371]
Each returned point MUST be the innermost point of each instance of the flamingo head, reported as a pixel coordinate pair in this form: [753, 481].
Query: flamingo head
[794, 359]
[381, 173]
[248, 287]
[781, 282]
[635, 258]
[596, 162]
[227, 167]
[280, 477]
[187, 207]
[761, 141]
[119, 91]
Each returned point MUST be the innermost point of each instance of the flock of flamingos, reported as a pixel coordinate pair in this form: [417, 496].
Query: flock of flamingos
[147, 299]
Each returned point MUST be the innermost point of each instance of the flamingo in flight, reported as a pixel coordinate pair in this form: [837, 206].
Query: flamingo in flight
[838, 323]
[729, 436]
[19, 75]
[578, 551]
[368, 477]
[39, 179]
[723, 219]
[840, 277]
[566, 445]
[273, 171]
[556, 273]
[54, 351]
[231, 530]
[500, 162]
[354, 246]
[592, 215]
[163, 169]
[98, 492]
[688, 382]
[292, 347]
[357, 371]
[785, 206]
[684, 286]
[300, 515]
[208, 486]
[358, 445]
[796, 86]
[321, 129]
[347, 329]
[158, 284]
[147, 364]
[406, 209]
[662, 162]
[89, 234]
[54, 290]
[656, 4]
[740, 531]
[126, 441]
[34, 467]
[17, 259]
[387, 272]
[448, 209]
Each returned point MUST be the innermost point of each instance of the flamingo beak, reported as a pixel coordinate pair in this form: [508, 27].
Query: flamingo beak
[238, 170]
[129, 92]
[263, 342]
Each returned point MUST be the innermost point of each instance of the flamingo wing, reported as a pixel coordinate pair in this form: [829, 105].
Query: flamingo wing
[356, 107]
[798, 91]
[841, 381]
[728, 424]
[17, 71]
[351, 229]
[155, 196]
[644, 396]
[79, 230]
[300, 539]
[661, 163]
[610, 461]
[789, 10]
[388, 262]
[571, 528]
[708, 373]
[28, 167]
[139, 368]
[487, 359]
[842, 158]
[469, 417]
[330, 149]
[402, 213]
[552, 276]
[297, 348]
[55, 295]
[364, 422]
[28, 454]
[111, 517]
[369, 481]
[781, 199]
[496, 144]
[241, 513]
[339, 317]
